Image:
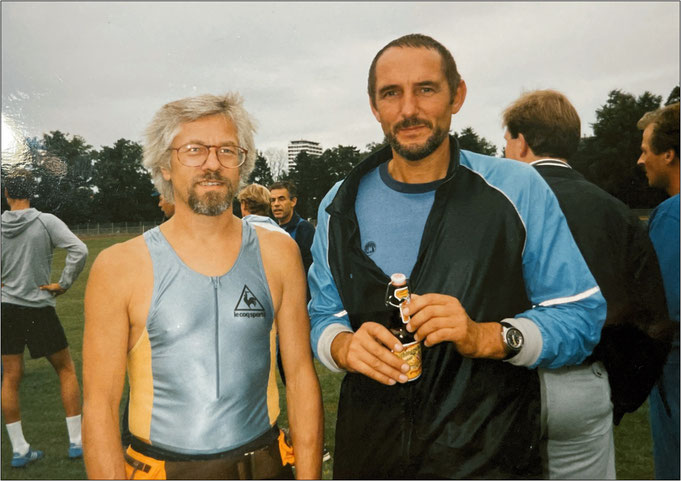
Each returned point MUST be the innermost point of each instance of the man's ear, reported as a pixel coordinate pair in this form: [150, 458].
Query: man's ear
[670, 156]
[294, 201]
[166, 173]
[459, 97]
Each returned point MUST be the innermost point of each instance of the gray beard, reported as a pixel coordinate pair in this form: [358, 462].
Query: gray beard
[212, 203]
[418, 152]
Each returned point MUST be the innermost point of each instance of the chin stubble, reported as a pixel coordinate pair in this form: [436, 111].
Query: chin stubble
[420, 151]
[211, 203]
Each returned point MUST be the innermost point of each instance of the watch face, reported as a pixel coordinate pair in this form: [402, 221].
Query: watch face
[514, 338]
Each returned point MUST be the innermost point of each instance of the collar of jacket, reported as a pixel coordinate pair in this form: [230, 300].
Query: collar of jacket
[295, 218]
[550, 162]
[347, 192]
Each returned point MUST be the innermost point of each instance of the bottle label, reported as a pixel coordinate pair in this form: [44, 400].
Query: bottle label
[411, 354]
[402, 293]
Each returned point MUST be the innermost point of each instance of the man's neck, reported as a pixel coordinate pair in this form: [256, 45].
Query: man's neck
[429, 169]
[288, 219]
[190, 226]
[209, 245]
[673, 187]
[18, 204]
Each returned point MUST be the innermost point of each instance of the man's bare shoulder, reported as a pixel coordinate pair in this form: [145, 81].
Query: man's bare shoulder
[272, 239]
[124, 257]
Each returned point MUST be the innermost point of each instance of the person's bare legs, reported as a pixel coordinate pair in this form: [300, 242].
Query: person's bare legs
[12, 372]
[70, 398]
[70, 390]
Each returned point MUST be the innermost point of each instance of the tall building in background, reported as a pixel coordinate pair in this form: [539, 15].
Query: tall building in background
[297, 146]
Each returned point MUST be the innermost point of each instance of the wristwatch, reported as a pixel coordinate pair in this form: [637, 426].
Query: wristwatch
[513, 339]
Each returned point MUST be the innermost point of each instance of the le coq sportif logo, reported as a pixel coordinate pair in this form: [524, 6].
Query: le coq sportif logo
[248, 305]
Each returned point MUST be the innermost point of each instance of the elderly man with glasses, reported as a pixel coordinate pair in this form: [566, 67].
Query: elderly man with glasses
[194, 307]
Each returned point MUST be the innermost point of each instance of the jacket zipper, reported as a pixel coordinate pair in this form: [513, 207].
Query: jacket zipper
[216, 284]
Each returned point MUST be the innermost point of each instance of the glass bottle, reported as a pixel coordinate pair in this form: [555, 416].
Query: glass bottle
[397, 297]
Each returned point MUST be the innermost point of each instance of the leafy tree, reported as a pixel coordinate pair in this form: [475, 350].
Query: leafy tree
[470, 140]
[374, 146]
[314, 176]
[123, 187]
[673, 96]
[261, 173]
[63, 167]
[608, 158]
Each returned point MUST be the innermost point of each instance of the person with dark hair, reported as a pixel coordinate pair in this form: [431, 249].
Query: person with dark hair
[283, 200]
[580, 402]
[29, 317]
[498, 288]
[193, 307]
[660, 159]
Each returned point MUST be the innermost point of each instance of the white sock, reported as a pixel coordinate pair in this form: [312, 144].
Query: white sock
[73, 425]
[16, 437]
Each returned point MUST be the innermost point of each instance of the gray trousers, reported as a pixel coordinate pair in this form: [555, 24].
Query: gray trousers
[577, 430]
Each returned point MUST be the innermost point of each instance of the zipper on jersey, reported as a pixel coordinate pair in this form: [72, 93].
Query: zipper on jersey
[216, 285]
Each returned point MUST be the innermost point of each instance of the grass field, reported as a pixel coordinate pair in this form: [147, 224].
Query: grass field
[45, 428]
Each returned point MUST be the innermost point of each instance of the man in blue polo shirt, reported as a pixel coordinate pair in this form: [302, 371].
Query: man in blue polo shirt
[660, 159]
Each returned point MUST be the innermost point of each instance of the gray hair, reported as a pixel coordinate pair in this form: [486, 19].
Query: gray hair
[168, 121]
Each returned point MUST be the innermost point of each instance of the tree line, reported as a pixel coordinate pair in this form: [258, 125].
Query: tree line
[81, 184]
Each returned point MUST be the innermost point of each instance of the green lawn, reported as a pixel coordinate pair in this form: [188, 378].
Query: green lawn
[43, 415]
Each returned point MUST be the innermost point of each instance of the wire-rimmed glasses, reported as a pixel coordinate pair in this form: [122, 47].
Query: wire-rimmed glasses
[194, 155]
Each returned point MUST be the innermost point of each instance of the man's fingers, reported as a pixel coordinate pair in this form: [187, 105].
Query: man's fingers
[438, 330]
[382, 335]
[370, 353]
[380, 371]
[424, 314]
[376, 375]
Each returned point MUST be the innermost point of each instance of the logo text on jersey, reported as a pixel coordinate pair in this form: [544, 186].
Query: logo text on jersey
[248, 305]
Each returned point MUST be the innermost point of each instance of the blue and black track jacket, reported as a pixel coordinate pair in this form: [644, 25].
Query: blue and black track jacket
[496, 240]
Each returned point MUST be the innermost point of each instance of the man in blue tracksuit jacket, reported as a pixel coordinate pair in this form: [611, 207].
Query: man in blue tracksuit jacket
[499, 285]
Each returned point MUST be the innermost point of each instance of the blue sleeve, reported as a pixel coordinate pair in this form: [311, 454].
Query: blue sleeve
[325, 307]
[568, 308]
[567, 305]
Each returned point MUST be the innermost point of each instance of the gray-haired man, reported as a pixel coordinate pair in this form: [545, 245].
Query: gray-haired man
[192, 306]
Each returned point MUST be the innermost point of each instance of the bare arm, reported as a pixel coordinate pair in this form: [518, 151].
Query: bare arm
[303, 394]
[105, 344]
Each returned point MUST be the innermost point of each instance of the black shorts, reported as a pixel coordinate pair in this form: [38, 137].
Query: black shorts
[36, 327]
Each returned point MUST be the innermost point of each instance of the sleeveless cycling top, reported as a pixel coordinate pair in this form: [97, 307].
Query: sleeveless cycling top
[202, 375]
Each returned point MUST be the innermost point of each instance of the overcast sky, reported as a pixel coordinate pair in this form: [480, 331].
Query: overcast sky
[101, 70]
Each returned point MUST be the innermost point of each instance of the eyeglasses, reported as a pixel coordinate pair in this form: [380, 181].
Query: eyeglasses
[194, 155]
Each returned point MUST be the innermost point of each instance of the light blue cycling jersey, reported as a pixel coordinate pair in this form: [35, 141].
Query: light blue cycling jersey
[202, 375]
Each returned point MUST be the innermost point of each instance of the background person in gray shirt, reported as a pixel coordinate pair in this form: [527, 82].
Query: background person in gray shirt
[29, 317]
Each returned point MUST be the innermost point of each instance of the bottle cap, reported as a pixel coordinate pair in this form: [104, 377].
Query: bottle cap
[398, 279]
